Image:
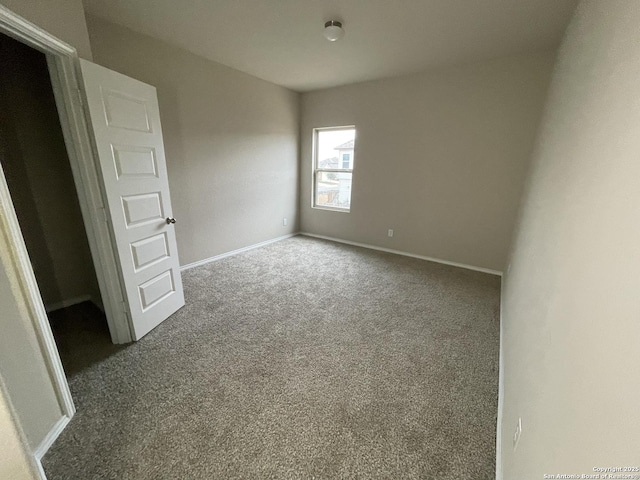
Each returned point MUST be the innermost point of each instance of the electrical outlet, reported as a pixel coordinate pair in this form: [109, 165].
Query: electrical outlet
[284, 222]
[390, 232]
[517, 434]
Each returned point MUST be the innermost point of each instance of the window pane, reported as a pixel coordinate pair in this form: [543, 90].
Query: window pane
[335, 148]
[333, 189]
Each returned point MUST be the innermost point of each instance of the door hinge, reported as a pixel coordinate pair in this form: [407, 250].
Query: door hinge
[79, 94]
[102, 214]
[125, 308]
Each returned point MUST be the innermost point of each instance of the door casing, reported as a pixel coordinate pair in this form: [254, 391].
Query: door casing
[64, 71]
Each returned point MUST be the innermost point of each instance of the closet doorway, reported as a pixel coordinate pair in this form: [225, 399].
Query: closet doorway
[38, 173]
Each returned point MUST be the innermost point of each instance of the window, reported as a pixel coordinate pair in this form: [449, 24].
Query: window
[333, 167]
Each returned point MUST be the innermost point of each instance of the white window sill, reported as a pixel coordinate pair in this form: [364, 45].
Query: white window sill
[331, 209]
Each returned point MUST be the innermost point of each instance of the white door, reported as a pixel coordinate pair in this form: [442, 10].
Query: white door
[126, 124]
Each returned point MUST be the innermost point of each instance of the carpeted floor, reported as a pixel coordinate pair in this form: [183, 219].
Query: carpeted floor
[301, 359]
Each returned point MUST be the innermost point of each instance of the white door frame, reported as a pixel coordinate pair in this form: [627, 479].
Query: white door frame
[64, 69]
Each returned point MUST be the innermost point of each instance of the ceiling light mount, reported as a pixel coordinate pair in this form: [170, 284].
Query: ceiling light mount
[333, 30]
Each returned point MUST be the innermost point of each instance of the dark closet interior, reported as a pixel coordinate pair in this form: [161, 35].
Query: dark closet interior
[36, 166]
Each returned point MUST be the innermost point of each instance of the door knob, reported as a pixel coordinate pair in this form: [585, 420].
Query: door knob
[170, 220]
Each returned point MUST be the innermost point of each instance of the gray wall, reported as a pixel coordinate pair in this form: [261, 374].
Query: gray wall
[230, 140]
[22, 366]
[16, 463]
[37, 170]
[440, 157]
[571, 314]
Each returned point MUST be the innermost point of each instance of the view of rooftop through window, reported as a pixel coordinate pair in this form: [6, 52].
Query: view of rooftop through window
[334, 167]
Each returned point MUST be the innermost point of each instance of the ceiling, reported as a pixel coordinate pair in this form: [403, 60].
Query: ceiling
[281, 40]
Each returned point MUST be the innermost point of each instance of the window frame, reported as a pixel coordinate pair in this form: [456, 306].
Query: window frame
[316, 170]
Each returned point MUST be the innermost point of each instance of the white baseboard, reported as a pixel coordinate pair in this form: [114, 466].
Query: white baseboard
[67, 303]
[235, 252]
[51, 437]
[98, 303]
[339, 240]
[46, 443]
[41, 475]
[406, 254]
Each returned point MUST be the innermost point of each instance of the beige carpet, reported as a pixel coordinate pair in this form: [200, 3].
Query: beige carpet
[302, 359]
